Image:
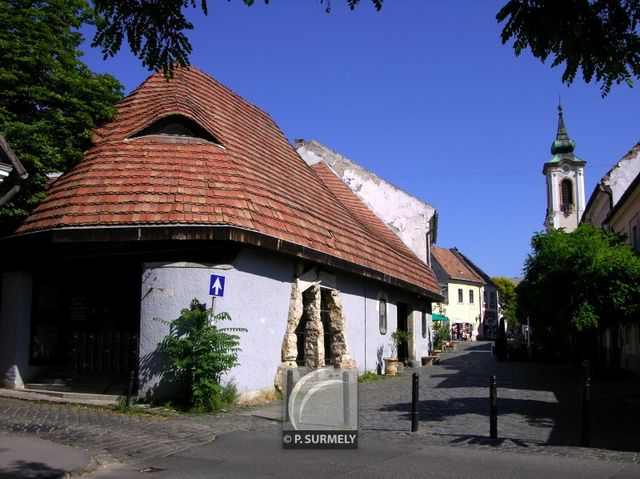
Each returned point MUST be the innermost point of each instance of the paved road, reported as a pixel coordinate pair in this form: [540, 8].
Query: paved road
[539, 407]
[539, 414]
[245, 454]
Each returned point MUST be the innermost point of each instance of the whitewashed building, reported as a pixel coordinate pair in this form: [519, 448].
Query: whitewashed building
[188, 184]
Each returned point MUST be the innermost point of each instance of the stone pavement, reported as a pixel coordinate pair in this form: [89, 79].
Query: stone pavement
[538, 407]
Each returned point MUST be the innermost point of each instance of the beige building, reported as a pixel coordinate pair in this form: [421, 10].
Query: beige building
[462, 288]
[615, 205]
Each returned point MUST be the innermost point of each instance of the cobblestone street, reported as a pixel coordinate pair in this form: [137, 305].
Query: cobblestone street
[538, 407]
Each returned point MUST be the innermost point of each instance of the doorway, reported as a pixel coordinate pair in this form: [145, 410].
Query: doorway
[402, 325]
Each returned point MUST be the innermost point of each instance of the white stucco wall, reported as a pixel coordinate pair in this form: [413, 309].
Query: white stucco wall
[557, 218]
[623, 173]
[405, 215]
[361, 300]
[257, 292]
[15, 322]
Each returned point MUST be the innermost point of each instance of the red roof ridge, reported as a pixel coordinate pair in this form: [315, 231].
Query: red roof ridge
[257, 183]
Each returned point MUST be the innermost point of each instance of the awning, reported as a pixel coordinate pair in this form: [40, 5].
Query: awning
[438, 317]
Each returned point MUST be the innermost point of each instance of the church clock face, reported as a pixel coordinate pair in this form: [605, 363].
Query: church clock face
[566, 168]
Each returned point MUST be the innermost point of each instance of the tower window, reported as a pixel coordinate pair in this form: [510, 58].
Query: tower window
[566, 188]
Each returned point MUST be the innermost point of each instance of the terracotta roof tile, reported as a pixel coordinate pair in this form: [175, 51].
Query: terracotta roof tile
[454, 266]
[253, 180]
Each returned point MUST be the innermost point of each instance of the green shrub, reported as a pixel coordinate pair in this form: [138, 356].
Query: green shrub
[440, 333]
[198, 353]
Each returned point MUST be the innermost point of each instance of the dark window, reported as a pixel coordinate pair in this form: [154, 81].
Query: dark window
[382, 316]
[460, 296]
[177, 125]
[485, 296]
[567, 192]
[492, 304]
[471, 296]
[424, 324]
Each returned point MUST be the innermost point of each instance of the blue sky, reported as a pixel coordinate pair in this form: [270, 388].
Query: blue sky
[422, 93]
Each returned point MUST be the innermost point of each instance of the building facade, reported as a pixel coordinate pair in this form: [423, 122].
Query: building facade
[463, 289]
[614, 205]
[188, 185]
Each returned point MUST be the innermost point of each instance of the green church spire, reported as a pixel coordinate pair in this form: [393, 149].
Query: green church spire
[562, 144]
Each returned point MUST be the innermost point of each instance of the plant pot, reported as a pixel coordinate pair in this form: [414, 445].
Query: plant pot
[390, 366]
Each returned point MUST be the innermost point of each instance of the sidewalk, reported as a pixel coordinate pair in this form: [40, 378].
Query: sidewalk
[32, 457]
[538, 408]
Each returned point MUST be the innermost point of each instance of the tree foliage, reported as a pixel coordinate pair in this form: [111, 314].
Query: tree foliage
[198, 353]
[49, 100]
[598, 37]
[579, 281]
[156, 30]
[507, 298]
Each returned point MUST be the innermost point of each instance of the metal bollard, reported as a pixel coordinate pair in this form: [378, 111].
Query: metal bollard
[287, 396]
[415, 383]
[493, 407]
[586, 386]
[346, 398]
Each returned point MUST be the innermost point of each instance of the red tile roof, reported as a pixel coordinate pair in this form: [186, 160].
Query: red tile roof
[254, 181]
[454, 266]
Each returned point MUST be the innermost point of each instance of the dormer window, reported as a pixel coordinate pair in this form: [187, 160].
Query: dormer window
[177, 126]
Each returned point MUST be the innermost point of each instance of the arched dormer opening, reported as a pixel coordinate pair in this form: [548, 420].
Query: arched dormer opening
[176, 126]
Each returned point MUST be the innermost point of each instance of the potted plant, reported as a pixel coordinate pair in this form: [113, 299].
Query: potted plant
[440, 334]
[392, 363]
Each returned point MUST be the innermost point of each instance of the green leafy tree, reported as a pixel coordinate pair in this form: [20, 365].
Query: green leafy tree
[49, 100]
[508, 299]
[198, 353]
[578, 282]
[598, 37]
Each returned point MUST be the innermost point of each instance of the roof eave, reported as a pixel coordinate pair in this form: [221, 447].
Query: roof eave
[222, 233]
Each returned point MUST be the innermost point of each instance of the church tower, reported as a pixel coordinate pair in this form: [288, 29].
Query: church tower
[565, 182]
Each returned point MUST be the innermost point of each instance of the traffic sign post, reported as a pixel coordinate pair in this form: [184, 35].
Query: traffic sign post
[216, 290]
[216, 285]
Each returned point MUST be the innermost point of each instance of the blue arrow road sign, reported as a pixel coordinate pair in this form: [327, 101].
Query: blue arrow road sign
[216, 285]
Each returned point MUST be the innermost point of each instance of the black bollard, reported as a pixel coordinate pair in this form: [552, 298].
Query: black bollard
[586, 386]
[289, 388]
[346, 398]
[415, 384]
[493, 407]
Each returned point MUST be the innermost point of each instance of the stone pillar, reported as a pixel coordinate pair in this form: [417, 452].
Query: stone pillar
[339, 350]
[289, 352]
[290, 341]
[314, 331]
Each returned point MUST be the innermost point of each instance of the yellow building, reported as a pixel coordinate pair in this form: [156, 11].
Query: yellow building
[462, 288]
